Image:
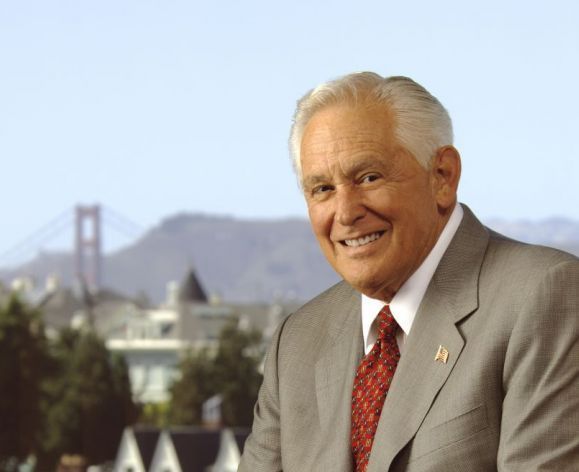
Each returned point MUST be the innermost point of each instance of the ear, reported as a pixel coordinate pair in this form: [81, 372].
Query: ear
[446, 175]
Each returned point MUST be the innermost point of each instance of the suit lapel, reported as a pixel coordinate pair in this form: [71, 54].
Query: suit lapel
[452, 295]
[417, 380]
[334, 376]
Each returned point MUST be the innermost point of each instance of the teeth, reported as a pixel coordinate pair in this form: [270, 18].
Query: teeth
[362, 241]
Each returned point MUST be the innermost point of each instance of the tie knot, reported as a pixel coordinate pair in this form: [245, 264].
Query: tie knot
[387, 325]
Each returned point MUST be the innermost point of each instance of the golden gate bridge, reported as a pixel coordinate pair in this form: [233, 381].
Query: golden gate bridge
[85, 223]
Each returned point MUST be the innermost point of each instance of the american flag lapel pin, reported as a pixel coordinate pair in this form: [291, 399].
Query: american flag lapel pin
[441, 354]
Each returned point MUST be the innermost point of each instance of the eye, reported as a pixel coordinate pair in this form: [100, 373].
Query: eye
[321, 189]
[369, 178]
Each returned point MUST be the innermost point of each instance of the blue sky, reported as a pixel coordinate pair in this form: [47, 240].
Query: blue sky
[157, 107]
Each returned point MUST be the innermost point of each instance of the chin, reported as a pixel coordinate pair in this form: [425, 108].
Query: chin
[363, 285]
[371, 284]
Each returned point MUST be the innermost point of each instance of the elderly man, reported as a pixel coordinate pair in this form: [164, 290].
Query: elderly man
[447, 347]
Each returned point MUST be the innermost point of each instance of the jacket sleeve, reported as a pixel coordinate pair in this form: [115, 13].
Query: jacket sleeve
[540, 416]
[262, 450]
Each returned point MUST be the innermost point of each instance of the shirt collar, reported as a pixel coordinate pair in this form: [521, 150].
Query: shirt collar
[406, 301]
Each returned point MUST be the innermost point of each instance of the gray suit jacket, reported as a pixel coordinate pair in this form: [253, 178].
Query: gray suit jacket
[507, 399]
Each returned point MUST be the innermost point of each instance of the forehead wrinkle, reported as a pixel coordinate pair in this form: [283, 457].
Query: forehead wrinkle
[322, 131]
[320, 145]
[336, 140]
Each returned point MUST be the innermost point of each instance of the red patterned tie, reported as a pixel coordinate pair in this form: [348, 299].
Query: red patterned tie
[371, 385]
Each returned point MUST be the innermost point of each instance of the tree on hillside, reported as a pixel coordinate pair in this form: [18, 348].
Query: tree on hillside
[195, 385]
[22, 361]
[232, 373]
[89, 400]
[100, 405]
[60, 406]
[125, 409]
[236, 373]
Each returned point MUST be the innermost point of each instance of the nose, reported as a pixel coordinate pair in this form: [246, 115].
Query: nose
[349, 206]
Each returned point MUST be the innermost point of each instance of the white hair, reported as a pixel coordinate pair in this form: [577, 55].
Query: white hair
[422, 125]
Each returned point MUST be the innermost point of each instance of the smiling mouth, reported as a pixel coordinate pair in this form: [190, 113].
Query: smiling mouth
[363, 240]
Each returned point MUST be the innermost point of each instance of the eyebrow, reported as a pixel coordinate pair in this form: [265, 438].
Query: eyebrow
[312, 180]
[367, 162]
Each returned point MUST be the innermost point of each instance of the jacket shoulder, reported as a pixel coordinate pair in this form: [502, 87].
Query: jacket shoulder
[320, 320]
[525, 261]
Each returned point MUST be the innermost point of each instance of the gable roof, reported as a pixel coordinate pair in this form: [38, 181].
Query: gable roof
[229, 455]
[146, 439]
[191, 290]
[196, 448]
[136, 448]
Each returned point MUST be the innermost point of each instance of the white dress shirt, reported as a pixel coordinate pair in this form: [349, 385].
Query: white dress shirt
[406, 301]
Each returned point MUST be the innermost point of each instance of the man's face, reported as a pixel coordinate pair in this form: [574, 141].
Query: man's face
[375, 210]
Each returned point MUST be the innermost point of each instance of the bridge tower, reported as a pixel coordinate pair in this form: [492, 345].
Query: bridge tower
[88, 250]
